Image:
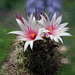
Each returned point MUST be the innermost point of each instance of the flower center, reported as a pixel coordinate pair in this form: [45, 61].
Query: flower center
[32, 35]
[50, 29]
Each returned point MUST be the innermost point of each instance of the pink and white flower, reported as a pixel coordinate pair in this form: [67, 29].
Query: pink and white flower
[55, 29]
[30, 31]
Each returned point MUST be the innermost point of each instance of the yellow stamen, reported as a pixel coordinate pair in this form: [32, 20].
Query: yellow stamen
[50, 29]
[32, 35]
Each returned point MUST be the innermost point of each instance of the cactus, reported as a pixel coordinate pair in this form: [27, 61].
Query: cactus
[44, 59]
[37, 45]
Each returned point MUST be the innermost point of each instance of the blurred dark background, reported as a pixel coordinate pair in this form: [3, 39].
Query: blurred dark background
[8, 9]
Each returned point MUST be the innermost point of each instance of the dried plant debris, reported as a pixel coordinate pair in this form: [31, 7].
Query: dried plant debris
[12, 65]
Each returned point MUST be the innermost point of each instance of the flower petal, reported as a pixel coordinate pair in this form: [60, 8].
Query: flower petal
[53, 19]
[38, 38]
[65, 34]
[22, 26]
[47, 17]
[25, 22]
[17, 32]
[33, 23]
[30, 19]
[41, 30]
[26, 45]
[60, 39]
[56, 39]
[22, 38]
[51, 36]
[62, 26]
[42, 21]
[31, 44]
[58, 20]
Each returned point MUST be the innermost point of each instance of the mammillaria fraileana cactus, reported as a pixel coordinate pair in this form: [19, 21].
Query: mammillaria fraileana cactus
[41, 38]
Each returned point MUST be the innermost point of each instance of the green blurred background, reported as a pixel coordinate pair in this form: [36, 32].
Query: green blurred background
[8, 9]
